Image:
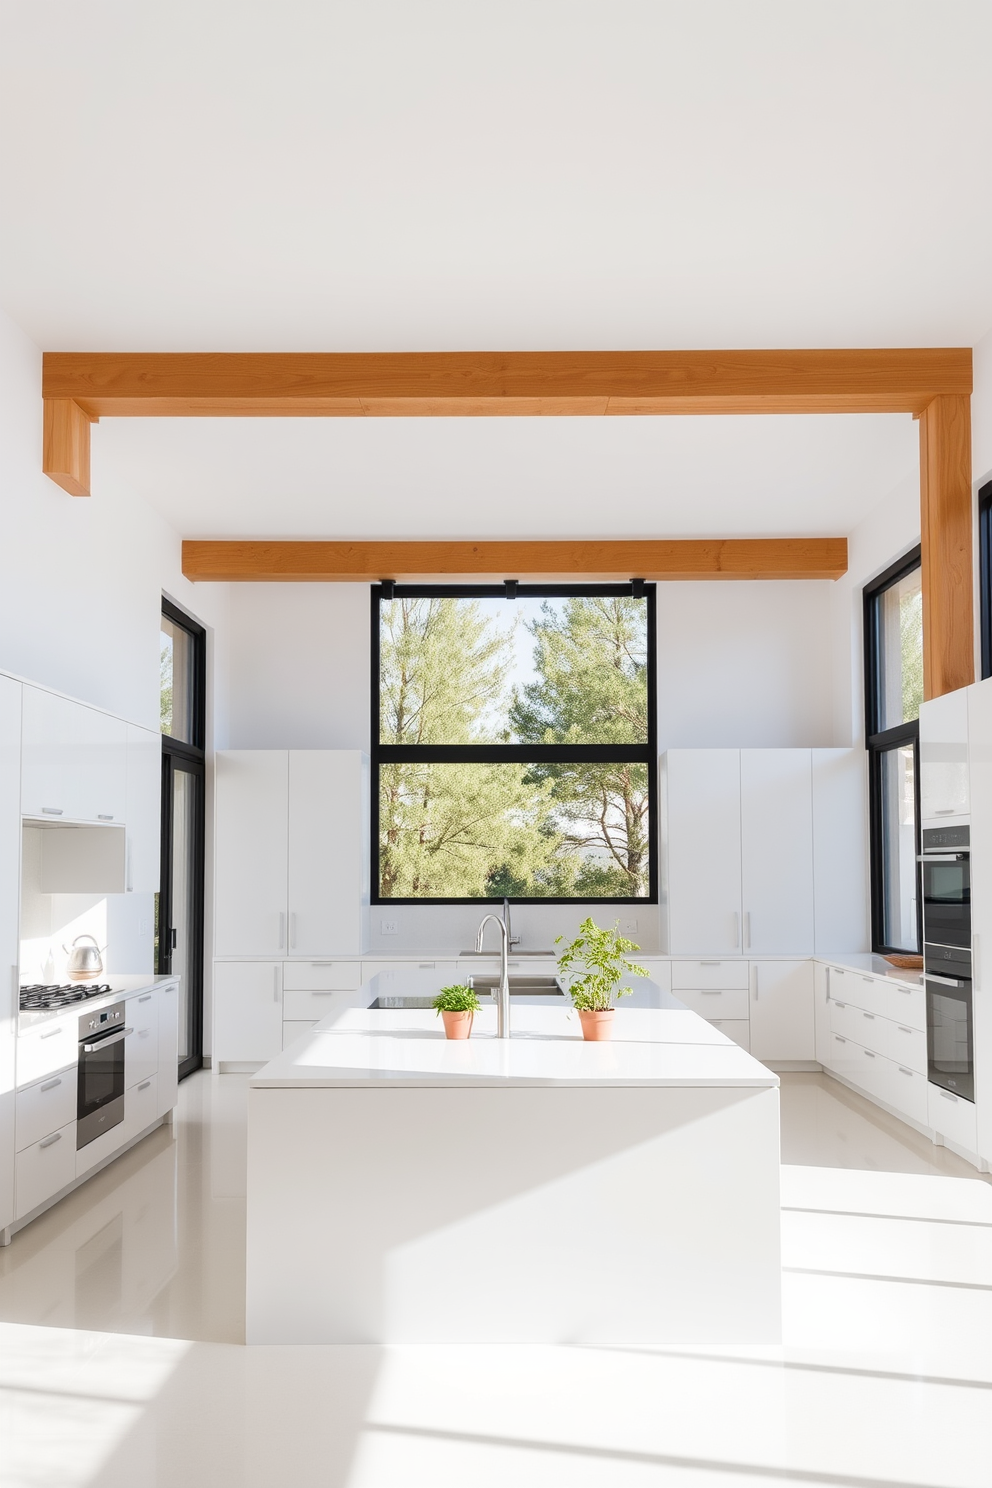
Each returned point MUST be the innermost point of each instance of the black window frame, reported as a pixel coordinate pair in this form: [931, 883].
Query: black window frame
[878, 743]
[985, 574]
[190, 757]
[495, 753]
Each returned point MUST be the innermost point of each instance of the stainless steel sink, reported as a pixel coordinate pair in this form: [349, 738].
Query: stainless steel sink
[514, 955]
[520, 986]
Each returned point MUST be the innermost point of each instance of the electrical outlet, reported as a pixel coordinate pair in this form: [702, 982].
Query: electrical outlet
[629, 926]
[142, 928]
[388, 927]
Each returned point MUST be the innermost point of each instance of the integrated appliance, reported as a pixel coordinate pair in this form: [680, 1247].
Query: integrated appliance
[947, 968]
[45, 997]
[100, 1079]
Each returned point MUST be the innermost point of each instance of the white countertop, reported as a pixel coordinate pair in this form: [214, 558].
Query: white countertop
[360, 1046]
[871, 965]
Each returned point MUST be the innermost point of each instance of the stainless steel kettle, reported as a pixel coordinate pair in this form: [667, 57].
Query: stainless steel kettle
[85, 961]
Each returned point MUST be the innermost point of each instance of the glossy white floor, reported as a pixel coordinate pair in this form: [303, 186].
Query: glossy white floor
[121, 1316]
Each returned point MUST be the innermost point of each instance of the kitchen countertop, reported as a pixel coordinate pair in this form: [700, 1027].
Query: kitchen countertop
[120, 986]
[871, 965]
[659, 1043]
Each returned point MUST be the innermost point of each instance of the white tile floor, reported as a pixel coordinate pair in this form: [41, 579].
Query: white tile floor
[121, 1314]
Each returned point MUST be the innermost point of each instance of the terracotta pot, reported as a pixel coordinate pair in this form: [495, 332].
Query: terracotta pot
[456, 1025]
[596, 1023]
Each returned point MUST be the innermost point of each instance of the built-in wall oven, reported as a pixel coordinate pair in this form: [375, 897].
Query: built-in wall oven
[946, 872]
[100, 1079]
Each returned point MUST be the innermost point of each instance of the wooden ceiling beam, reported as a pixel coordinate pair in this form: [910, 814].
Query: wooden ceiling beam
[66, 445]
[946, 516]
[369, 562]
[516, 384]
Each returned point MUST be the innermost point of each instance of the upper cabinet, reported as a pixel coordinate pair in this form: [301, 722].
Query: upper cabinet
[291, 852]
[73, 761]
[762, 851]
[144, 810]
[944, 789]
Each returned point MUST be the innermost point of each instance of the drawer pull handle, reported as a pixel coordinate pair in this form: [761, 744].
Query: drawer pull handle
[147, 997]
[902, 1029]
[948, 1096]
[50, 1141]
[103, 816]
[51, 810]
[51, 1084]
[711, 991]
[144, 1085]
[838, 1039]
[709, 963]
[318, 992]
[52, 1032]
[869, 1015]
[839, 1004]
[323, 963]
[867, 979]
[905, 1071]
[144, 1032]
[869, 1054]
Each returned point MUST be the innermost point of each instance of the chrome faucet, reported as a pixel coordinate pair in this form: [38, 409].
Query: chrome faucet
[511, 939]
[503, 994]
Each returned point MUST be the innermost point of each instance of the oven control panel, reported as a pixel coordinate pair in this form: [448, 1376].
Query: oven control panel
[100, 1022]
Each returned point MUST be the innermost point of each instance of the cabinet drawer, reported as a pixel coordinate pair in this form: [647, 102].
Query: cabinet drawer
[701, 976]
[738, 1029]
[43, 1168]
[489, 966]
[715, 1002]
[45, 1050]
[291, 1031]
[140, 1107]
[879, 995]
[908, 1090]
[897, 1041]
[140, 1055]
[44, 1108]
[311, 1005]
[328, 976]
[952, 1117]
[403, 968]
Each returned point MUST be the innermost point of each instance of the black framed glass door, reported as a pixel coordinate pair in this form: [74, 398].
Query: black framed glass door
[179, 905]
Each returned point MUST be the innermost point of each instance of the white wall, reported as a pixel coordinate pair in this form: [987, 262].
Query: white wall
[81, 579]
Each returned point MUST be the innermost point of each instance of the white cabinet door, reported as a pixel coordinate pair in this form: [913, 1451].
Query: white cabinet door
[141, 1051]
[980, 769]
[10, 867]
[777, 851]
[328, 858]
[944, 794]
[782, 1010]
[167, 1079]
[247, 1012]
[840, 850]
[250, 852]
[701, 850]
[144, 810]
[74, 762]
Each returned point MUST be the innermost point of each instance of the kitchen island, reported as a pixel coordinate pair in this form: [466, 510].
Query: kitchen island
[403, 1188]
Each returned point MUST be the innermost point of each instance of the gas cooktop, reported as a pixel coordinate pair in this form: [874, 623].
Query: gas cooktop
[45, 998]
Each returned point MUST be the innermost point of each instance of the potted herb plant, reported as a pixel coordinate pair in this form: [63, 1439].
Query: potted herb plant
[457, 1006]
[595, 961]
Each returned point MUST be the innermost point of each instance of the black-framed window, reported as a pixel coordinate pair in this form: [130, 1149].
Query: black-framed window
[514, 743]
[985, 573]
[179, 902]
[893, 627]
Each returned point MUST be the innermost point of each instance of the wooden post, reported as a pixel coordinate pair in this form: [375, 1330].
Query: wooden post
[946, 542]
[66, 455]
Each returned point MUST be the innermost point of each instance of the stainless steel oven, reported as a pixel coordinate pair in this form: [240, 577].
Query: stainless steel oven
[946, 870]
[100, 1079]
[950, 1040]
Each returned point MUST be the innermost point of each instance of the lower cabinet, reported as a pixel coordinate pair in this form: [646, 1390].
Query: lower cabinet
[43, 1168]
[141, 1057]
[141, 1107]
[44, 1107]
[167, 1079]
[247, 1011]
[952, 1118]
[782, 1011]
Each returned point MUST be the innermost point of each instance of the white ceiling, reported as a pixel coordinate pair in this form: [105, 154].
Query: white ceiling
[394, 174]
[500, 477]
